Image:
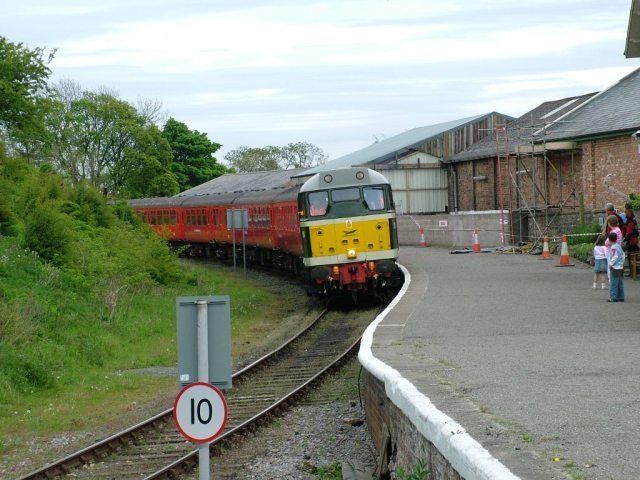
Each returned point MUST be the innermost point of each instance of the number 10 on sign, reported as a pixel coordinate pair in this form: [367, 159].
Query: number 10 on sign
[200, 412]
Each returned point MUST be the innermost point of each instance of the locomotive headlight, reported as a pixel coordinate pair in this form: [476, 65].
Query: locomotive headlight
[359, 175]
[351, 253]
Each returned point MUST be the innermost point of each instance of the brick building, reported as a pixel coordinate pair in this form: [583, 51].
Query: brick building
[560, 162]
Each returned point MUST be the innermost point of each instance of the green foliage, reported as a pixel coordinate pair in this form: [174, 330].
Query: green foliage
[8, 219]
[634, 199]
[23, 81]
[332, 471]
[164, 185]
[87, 204]
[585, 228]
[418, 472]
[47, 233]
[193, 160]
[582, 252]
[124, 212]
[292, 155]
[23, 373]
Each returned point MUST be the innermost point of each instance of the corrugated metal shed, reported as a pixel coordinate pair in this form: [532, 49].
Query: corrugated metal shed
[419, 190]
[406, 142]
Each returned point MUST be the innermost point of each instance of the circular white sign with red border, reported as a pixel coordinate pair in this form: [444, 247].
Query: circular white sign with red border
[200, 412]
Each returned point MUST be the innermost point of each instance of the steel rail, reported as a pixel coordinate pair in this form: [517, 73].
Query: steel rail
[187, 463]
[113, 443]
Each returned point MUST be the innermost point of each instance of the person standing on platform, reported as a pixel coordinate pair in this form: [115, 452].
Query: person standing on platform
[613, 226]
[615, 258]
[600, 262]
[630, 233]
[610, 211]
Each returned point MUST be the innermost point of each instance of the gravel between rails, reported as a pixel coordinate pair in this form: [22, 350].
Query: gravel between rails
[313, 434]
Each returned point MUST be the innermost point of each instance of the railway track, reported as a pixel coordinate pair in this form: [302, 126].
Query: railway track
[153, 449]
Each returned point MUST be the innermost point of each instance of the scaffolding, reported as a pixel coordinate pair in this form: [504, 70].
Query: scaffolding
[530, 144]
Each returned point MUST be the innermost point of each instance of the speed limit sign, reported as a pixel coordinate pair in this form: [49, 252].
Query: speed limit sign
[200, 412]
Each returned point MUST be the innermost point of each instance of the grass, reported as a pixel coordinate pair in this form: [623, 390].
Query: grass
[418, 472]
[87, 354]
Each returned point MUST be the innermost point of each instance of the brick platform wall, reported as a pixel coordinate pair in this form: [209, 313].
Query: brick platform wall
[408, 446]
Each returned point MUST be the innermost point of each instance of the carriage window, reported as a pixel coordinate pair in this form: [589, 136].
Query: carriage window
[374, 198]
[345, 195]
[318, 202]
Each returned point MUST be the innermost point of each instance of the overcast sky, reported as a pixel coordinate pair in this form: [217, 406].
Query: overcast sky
[336, 73]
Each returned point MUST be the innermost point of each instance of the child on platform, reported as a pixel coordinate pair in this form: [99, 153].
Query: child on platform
[613, 227]
[615, 258]
[600, 262]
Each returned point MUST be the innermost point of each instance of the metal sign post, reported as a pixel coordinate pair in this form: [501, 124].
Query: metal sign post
[238, 218]
[200, 410]
[244, 253]
[203, 376]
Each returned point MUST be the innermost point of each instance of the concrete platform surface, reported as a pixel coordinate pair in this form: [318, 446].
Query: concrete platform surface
[531, 361]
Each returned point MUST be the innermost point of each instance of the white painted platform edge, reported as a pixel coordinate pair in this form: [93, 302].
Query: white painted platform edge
[470, 459]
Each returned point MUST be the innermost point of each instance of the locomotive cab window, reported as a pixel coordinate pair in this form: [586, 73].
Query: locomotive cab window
[345, 195]
[318, 203]
[374, 198]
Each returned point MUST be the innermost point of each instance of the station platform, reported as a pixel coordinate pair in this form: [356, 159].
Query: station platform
[524, 356]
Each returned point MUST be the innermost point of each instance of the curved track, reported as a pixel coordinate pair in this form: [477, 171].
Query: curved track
[153, 449]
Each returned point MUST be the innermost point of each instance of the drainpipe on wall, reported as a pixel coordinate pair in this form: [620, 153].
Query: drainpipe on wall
[455, 188]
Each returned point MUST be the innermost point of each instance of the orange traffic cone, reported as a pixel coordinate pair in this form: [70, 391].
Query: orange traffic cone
[545, 249]
[423, 241]
[476, 243]
[564, 254]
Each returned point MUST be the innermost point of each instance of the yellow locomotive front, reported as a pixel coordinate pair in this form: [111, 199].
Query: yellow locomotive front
[348, 229]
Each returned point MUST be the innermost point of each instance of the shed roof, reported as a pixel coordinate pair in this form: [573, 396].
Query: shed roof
[632, 48]
[519, 131]
[389, 147]
[245, 182]
[614, 110]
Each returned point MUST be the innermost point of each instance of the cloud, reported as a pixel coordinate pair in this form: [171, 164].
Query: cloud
[260, 38]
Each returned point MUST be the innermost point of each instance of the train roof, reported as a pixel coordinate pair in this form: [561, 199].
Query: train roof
[155, 202]
[246, 182]
[343, 177]
[238, 189]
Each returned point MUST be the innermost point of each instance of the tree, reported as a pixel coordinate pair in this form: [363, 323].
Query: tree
[102, 139]
[293, 155]
[144, 170]
[302, 155]
[23, 87]
[193, 160]
[246, 159]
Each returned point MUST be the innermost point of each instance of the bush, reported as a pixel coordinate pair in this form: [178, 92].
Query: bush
[88, 204]
[22, 373]
[634, 199]
[125, 213]
[7, 218]
[585, 228]
[47, 233]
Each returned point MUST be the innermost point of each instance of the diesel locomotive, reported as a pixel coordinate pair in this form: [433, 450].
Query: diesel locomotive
[338, 228]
